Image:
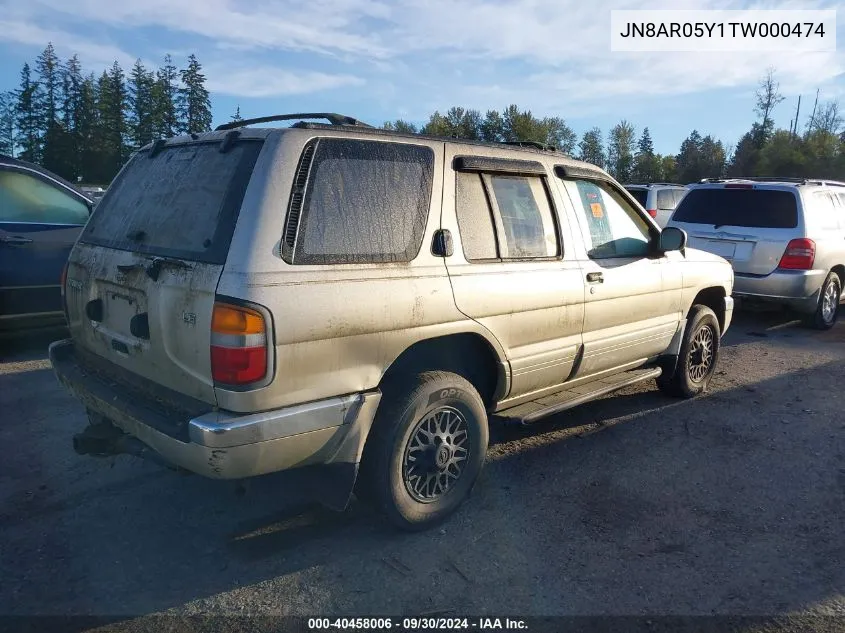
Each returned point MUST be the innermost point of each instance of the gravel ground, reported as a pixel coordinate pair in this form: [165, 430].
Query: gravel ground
[730, 504]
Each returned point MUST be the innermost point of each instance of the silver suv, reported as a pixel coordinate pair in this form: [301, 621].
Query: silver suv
[785, 239]
[659, 199]
[252, 300]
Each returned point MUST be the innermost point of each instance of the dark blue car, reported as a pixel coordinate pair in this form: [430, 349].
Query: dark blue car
[41, 216]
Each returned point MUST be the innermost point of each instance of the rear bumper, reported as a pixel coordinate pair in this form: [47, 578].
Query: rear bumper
[226, 445]
[798, 289]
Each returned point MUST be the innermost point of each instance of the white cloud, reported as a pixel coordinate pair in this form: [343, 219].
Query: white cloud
[553, 54]
[269, 81]
[91, 54]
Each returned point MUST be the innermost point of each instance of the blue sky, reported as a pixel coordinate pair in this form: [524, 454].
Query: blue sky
[379, 60]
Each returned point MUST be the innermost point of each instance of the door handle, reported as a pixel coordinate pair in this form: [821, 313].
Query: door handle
[14, 239]
[595, 278]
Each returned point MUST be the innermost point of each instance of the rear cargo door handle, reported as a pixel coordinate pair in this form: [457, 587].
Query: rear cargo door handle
[14, 239]
[595, 278]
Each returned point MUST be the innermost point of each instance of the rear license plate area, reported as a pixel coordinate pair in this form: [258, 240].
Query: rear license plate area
[722, 249]
[120, 306]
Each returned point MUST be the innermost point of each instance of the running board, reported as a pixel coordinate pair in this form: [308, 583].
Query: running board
[574, 396]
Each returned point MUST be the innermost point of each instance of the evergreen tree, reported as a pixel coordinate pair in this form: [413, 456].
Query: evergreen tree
[492, 127]
[110, 135]
[236, 117]
[712, 158]
[7, 123]
[89, 131]
[141, 105]
[165, 92]
[193, 99]
[464, 124]
[72, 91]
[591, 147]
[27, 97]
[47, 108]
[647, 166]
[620, 151]
[688, 161]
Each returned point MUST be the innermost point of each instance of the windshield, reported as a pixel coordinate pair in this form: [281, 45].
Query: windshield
[183, 202]
[761, 208]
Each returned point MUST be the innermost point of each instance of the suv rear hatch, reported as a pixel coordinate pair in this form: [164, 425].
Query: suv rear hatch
[749, 225]
[141, 281]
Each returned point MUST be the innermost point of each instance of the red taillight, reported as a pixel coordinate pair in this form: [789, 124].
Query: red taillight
[739, 186]
[799, 255]
[652, 212]
[238, 366]
[238, 345]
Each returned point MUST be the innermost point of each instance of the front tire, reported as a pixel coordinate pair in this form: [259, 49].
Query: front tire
[426, 449]
[824, 317]
[698, 355]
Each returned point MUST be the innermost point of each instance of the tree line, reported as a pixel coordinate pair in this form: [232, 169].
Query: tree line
[818, 151]
[83, 126]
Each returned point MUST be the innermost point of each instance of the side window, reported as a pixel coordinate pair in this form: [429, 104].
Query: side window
[679, 195]
[523, 217]
[665, 199]
[504, 217]
[365, 202]
[26, 198]
[612, 228]
[475, 222]
[826, 212]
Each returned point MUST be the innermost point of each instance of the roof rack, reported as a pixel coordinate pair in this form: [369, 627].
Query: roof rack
[798, 181]
[331, 117]
[534, 144]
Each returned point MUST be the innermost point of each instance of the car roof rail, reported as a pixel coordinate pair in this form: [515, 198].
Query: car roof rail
[534, 144]
[331, 117]
[825, 182]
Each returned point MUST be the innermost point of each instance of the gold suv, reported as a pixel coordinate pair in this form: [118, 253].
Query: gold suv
[333, 295]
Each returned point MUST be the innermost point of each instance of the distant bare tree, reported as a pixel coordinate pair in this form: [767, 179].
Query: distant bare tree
[768, 96]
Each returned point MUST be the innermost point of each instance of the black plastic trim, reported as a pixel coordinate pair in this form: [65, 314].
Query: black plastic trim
[331, 117]
[498, 165]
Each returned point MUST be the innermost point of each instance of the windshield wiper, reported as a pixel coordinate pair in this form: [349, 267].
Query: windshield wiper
[154, 269]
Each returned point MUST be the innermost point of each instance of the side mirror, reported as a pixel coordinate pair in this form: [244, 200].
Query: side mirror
[672, 239]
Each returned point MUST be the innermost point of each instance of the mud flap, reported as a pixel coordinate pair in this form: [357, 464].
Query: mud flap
[668, 361]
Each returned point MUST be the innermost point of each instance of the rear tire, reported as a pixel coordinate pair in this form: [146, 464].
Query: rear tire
[426, 449]
[698, 356]
[827, 308]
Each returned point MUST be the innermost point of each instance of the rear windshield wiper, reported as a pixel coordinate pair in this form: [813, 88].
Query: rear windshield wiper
[154, 268]
[158, 263]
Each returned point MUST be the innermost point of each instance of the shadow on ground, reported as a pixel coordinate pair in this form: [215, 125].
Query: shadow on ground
[632, 504]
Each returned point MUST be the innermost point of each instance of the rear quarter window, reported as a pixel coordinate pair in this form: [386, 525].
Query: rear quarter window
[666, 199]
[182, 202]
[365, 202]
[758, 208]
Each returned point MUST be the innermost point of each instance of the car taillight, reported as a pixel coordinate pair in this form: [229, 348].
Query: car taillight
[238, 345]
[799, 255]
[652, 212]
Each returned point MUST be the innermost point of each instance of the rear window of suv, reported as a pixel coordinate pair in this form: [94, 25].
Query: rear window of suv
[182, 202]
[640, 195]
[760, 208]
